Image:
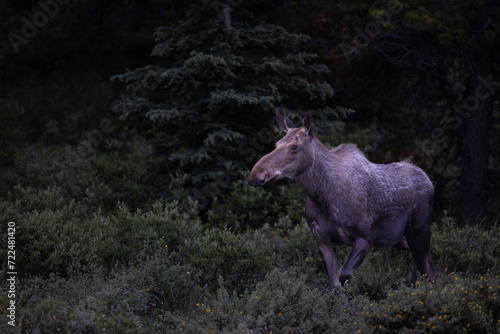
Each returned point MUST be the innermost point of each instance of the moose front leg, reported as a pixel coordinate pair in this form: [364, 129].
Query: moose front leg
[357, 255]
[332, 266]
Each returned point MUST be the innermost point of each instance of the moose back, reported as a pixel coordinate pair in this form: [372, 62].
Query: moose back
[351, 201]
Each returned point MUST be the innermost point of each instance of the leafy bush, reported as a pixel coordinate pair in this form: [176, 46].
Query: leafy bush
[97, 179]
[93, 302]
[49, 230]
[466, 249]
[120, 175]
[453, 304]
[281, 303]
[166, 283]
[56, 235]
[295, 244]
[239, 259]
[380, 272]
[51, 316]
[249, 207]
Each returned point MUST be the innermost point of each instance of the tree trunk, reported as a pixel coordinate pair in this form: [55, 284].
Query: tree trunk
[476, 133]
[227, 15]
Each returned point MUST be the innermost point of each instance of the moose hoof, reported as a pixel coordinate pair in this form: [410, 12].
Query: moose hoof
[335, 290]
[344, 279]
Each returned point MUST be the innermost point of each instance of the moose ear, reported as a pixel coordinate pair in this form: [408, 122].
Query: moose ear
[308, 124]
[284, 122]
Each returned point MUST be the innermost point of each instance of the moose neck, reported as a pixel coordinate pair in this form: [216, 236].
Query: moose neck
[316, 180]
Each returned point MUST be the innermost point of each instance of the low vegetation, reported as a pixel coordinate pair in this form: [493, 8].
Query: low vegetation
[97, 253]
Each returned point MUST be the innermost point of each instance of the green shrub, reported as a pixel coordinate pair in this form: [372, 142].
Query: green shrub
[465, 249]
[97, 179]
[295, 245]
[97, 301]
[84, 303]
[453, 304]
[248, 207]
[239, 259]
[167, 283]
[281, 303]
[49, 231]
[380, 272]
[120, 175]
[56, 235]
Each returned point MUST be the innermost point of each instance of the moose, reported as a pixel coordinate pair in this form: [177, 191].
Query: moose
[352, 201]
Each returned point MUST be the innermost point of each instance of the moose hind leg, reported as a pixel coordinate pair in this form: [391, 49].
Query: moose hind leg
[432, 272]
[418, 239]
[414, 275]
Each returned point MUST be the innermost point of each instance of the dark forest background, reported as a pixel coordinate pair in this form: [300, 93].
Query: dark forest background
[128, 129]
[415, 79]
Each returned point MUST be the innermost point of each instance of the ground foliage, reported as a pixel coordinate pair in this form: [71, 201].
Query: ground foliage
[84, 267]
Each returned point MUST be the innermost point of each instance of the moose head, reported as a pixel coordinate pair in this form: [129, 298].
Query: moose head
[292, 155]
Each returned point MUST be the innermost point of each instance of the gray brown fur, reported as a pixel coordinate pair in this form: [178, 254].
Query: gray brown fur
[351, 201]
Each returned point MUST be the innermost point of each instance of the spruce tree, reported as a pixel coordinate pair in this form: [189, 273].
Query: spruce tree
[214, 85]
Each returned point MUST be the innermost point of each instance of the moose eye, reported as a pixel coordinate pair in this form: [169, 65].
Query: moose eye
[294, 147]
